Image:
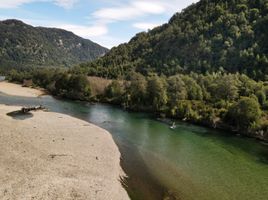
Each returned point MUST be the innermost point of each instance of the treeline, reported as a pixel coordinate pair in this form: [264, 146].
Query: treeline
[219, 100]
[210, 36]
[56, 81]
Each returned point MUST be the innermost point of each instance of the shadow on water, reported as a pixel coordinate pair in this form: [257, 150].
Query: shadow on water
[18, 115]
[140, 183]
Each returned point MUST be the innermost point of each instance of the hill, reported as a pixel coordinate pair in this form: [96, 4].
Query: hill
[209, 36]
[22, 45]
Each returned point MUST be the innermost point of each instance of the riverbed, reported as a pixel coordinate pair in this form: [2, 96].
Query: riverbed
[188, 163]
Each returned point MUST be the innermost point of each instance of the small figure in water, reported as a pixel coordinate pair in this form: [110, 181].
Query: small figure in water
[173, 126]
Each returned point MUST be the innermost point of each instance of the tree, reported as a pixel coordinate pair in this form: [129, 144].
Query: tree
[247, 86]
[183, 110]
[225, 87]
[114, 92]
[261, 96]
[61, 84]
[137, 89]
[244, 113]
[176, 90]
[79, 87]
[194, 91]
[15, 76]
[157, 94]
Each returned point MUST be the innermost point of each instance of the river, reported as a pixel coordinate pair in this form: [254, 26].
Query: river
[188, 163]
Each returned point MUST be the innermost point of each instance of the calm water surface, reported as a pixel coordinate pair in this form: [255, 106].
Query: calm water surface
[188, 163]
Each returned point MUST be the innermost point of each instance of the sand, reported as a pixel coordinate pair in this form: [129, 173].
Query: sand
[18, 90]
[51, 156]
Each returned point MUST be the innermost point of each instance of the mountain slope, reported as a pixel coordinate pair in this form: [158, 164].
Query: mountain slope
[22, 45]
[211, 35]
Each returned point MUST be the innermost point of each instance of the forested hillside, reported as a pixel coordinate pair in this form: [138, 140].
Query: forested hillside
[209, 36]
[22, 45]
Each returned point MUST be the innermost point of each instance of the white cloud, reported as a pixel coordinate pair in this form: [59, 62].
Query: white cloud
[140, 8]
[145, 26]
[128, 12]
[109, 41]
[85, 31]
[13, 3]
[67, 4]
[114, 14]
[149, 7]
[174, 6]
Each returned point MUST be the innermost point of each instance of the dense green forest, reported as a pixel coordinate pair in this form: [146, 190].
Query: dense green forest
[22, 45]
[209, 36]
[228, 101]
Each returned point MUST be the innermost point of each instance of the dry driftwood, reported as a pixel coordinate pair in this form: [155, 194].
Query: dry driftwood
[33, 108]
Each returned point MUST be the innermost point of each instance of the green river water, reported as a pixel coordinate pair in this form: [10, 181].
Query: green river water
[188, 163]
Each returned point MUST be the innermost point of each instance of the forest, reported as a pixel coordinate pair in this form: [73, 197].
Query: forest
[210, 36]
[226, 101]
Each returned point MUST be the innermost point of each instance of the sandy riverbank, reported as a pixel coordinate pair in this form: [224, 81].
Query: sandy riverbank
[18, 90]
[54, 156]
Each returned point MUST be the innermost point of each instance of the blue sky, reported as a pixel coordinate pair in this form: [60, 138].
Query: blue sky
[107, 22]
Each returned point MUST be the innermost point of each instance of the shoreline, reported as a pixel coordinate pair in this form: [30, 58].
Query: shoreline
[36, 92]
[47, 155]
[219, 127]
[14, 89]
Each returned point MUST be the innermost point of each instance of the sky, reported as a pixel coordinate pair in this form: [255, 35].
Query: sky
[107, 22]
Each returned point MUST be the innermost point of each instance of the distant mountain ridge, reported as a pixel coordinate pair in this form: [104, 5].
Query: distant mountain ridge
[209, 36]
[22, 45]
